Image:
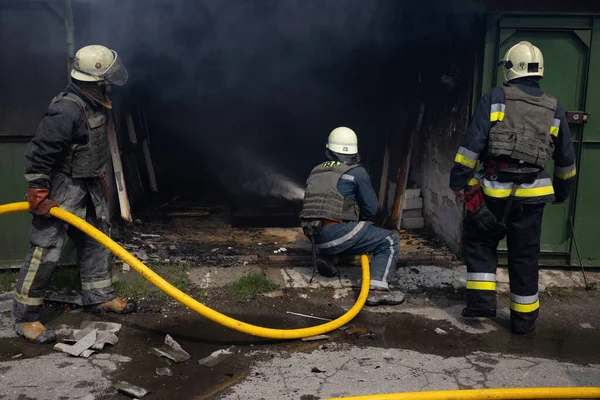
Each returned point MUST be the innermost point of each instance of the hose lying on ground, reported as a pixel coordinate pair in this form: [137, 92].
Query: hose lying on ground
[190, 302]
[485, 394]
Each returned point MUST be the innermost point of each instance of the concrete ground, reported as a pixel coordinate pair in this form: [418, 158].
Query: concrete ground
[423, 344]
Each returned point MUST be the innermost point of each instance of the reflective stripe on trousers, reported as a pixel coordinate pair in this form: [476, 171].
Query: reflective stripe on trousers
[524, 304]
[481, 281]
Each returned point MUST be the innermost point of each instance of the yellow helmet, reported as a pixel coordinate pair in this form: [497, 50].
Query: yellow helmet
[521, 60]
[99, 64]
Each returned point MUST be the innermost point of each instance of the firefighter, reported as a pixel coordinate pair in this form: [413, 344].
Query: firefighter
[65, 166]
[515, 132]
[338, 203]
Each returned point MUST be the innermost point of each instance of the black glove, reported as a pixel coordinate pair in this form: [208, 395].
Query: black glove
[484, 218]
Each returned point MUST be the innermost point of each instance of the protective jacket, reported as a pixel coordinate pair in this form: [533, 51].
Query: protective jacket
[525, 133]
[322, 200]
[513, 124]
[71, 138]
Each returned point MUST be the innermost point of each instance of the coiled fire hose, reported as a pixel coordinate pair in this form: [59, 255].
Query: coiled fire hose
[190, 302]
[271, 333]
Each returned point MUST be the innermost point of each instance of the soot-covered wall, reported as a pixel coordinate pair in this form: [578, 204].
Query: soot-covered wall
[447, 113]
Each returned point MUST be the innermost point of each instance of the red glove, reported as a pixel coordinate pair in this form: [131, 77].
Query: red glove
[473, 198]
[39, 203]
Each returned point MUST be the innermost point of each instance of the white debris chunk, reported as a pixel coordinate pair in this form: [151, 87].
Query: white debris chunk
[171, 350]
[78, 348]
[215, 358]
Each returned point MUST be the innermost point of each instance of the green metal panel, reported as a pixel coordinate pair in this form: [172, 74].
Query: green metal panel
[565, 43]
[14, 228]
[587, 214]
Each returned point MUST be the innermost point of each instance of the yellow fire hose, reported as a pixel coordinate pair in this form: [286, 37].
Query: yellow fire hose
[154, 278]
[488, 394]
[191, 303]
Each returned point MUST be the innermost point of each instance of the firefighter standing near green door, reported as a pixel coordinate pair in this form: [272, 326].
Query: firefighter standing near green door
[515, 132]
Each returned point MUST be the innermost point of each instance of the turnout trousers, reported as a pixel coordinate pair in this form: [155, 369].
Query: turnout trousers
[523, 230]
[84, 198]
[354, 238]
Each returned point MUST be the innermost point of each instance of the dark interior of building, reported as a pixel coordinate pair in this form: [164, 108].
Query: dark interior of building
[237, 98]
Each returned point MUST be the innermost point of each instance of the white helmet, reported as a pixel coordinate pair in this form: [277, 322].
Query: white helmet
[343, 140]
[521, 60]
[99, 64]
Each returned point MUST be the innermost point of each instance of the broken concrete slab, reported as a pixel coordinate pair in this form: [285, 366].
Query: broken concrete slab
[78, 348]
[164, 371]
[104, 338]
[131, 390]
[171, 350]
[215, 358]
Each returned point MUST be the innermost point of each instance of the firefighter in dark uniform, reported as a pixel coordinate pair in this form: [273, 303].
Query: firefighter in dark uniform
[338, 203]
[515, 132]
[65, 165]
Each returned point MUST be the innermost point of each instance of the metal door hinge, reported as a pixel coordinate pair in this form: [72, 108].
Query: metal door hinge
[577, 117]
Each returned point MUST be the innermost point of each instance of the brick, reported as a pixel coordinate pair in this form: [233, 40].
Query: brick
[416, 213]
[412, 193]
[412, 204]
[413, 223]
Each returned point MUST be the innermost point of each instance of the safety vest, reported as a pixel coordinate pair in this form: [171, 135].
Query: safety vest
[87, 160]
[525, 132]
[322, 199]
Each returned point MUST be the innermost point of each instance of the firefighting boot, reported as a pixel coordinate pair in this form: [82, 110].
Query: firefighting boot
[384, 297]
[35, 332]
[116, 305]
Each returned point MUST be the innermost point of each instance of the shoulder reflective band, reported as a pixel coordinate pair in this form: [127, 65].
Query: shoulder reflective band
[540, 187]
[565, 173]
[524, 304]
[555, 127]
[466, 157]
[497, 112]
[481, 281]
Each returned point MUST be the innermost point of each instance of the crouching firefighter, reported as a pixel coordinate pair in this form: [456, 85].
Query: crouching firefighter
[65, 165]
[515, 132]
[338, 202]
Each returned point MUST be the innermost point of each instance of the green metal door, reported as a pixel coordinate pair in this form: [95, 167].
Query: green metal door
[14, 228]
[587, 210]
[566, 45]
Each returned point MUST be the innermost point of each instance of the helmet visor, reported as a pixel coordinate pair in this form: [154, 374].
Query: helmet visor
[116, 74]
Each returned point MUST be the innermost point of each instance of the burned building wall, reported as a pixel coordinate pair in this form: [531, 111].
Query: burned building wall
[447, 93]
